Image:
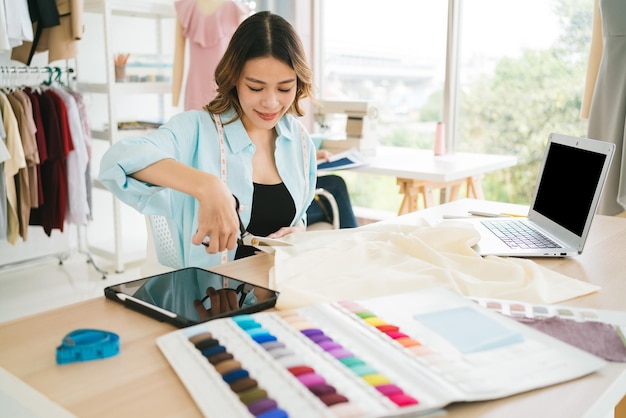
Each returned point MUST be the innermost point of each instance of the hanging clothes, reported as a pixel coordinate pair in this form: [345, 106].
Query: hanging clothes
[12, 166]
[29, 141]
[59, 39]
[607, 112]
[5, 44]
[45, 177]
[27, 177]
[4, 156]
[51, 215]
[41, 141]
[88, 143]
[77, 159]
[16, 26]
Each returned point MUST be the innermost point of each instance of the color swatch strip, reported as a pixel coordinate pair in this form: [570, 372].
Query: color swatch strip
[390, 330]
[306, 375]
[359, 367]
[246, 387]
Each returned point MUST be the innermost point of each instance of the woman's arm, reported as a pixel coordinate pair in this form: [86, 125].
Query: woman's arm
[217, 217]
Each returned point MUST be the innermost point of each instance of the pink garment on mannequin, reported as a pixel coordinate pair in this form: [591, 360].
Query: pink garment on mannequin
[208, 36]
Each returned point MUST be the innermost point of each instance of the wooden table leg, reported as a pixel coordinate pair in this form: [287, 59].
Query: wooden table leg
[412, 189]
[410, 195]
[475, 188]
[427, 192]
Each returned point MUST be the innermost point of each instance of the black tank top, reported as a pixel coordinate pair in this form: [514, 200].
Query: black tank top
[272, 209]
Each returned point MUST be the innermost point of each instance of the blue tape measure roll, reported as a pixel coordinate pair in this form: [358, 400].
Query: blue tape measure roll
[87, 344]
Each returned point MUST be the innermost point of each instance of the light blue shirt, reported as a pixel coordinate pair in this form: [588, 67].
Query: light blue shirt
[191, 138]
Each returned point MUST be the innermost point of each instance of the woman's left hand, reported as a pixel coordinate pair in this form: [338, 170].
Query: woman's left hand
[322, 154]
[286, 230]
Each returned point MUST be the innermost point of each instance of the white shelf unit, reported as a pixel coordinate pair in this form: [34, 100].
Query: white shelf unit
[116, 26]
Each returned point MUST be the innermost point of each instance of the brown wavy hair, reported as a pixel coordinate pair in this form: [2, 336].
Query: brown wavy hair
[263, 34]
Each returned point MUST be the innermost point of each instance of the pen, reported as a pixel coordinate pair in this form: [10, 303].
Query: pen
[513, 215]
[495, 215]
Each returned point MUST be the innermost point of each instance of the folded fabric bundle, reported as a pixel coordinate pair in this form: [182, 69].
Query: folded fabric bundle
[388, 258]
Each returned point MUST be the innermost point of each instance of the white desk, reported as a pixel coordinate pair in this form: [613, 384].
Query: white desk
[419, 172]
[140, 381]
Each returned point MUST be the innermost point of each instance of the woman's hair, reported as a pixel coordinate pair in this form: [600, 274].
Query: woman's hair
[261, 35]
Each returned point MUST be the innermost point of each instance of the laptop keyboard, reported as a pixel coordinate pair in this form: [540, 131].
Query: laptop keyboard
[518, 234]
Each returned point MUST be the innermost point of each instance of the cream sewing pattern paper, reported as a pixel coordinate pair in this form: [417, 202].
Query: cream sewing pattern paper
[387, 258]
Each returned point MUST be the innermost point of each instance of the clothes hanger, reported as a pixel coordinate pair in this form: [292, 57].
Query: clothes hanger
[58, 71]
[9, 80]
[48, 82]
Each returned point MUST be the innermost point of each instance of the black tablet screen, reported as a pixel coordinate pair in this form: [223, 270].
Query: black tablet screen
[194, 295]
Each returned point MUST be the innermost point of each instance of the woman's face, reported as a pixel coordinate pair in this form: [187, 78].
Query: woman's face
[266, 90]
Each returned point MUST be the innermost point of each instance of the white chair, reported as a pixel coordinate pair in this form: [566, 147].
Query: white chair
[159, 234]
[168, 259]
[325, 194]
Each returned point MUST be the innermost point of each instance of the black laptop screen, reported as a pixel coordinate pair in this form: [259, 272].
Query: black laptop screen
[568, 185]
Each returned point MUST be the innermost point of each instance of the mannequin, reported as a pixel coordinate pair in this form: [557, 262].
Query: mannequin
[207, 26]
[607, 109]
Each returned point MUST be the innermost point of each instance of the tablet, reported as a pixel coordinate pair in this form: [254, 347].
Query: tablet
[191, 295]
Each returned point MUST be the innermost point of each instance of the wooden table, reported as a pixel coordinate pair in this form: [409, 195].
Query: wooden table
[419, 172]
[140, 382]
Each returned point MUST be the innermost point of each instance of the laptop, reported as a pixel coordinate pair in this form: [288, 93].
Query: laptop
[570, 182]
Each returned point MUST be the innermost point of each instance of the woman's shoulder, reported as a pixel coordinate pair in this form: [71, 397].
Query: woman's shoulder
[189, 120]
[190, 115]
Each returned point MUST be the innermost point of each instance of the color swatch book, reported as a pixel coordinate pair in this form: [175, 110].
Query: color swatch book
[396, 355]
[597, 331]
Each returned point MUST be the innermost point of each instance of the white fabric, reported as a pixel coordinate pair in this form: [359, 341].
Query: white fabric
[387, 258]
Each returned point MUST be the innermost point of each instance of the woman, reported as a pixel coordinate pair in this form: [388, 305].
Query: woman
[245, 143]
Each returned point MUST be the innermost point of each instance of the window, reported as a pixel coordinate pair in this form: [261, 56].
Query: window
[520, 79]
[394, 57]
[519, 76]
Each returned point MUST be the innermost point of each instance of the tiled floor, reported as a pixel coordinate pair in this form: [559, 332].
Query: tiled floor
[40, 286]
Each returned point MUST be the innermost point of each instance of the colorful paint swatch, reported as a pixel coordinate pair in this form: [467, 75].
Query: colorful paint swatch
[251, 395]
[305, 374]
[359, 367]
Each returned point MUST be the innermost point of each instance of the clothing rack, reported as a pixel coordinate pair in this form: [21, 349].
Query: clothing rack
[15, 76]
[61, 255]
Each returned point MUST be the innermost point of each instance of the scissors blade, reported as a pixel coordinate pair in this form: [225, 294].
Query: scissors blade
[254, 241]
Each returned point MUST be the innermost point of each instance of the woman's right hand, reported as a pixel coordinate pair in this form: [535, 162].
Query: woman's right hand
[218, 223]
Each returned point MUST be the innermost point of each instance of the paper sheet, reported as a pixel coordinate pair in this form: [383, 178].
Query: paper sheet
[387, 258]
[19, 400]
[469, 330]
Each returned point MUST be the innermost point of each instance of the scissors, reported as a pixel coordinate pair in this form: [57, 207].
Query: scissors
[246, 238]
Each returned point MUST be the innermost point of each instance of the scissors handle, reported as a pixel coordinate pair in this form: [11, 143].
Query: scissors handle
[242, 229]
